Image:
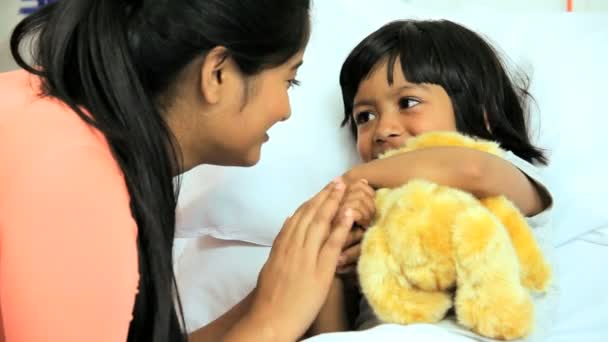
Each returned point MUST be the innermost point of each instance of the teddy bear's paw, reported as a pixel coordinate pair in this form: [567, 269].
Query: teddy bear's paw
[413, 306]
[538, 278]
[535, 272]
[435, 276]
[505, 318]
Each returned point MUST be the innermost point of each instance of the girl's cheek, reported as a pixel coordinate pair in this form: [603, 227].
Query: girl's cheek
[363, 148]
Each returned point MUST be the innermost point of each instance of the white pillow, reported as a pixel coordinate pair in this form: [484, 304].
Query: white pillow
[568, 55]
[565, 54]
[214, 275]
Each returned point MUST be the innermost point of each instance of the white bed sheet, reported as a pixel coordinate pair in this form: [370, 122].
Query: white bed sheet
[396, 333]
[582, 311]
[583, 304]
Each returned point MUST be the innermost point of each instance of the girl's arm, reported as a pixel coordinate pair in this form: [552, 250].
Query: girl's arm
[333, 316]
[480, 173]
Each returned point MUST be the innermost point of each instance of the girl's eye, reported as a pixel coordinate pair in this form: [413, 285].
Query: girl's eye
[362, 118]
[292, 83]
[408, 102]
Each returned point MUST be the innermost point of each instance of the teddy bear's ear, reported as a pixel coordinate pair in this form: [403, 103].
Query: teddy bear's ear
[393, 152]
[438, 138]
[434, 139]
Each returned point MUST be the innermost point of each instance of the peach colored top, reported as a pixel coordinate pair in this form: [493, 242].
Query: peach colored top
[68, 253]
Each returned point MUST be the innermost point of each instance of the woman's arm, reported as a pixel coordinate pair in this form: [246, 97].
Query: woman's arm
[296, 278]
[341, 306]
[479, 173]
[235, 325]
[217, 329]
[238, 324]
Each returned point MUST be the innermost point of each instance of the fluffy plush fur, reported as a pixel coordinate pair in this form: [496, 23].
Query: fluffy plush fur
[432, 247]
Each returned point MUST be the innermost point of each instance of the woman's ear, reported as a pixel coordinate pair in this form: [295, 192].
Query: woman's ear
[212, 71]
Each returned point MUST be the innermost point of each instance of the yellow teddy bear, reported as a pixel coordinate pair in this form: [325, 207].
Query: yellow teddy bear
[432, 245]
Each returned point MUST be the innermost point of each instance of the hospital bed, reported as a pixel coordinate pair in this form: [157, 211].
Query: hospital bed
[228, 217]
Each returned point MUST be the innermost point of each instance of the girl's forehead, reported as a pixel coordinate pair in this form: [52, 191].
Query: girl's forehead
[393, 77]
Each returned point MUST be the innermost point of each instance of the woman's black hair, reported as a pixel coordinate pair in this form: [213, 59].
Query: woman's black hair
[112, 61]
[447, 54]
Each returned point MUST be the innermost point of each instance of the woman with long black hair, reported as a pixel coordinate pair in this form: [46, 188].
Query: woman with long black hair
[117, 98]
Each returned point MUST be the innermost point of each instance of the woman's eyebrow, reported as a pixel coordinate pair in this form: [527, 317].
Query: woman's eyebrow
[297, 65]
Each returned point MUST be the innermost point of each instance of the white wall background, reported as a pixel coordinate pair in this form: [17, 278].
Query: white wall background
[9, 12]
[9, 17]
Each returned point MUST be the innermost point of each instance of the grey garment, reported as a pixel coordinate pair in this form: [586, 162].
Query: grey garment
[545, 304]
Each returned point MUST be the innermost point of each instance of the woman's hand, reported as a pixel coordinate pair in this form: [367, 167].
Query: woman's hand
[294, 282]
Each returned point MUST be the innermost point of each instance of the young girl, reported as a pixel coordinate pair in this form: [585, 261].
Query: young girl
[411, 77]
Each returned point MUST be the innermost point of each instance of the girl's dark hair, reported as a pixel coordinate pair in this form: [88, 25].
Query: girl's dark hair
[457, 59]
[111, 61]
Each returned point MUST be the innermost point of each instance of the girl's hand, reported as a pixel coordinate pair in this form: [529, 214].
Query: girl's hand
[295, 281]
[359, 197]
[347, 263]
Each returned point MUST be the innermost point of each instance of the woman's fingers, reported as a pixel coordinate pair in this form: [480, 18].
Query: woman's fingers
[278, 240]
[320, 224]
[332, 247]
[306, 213]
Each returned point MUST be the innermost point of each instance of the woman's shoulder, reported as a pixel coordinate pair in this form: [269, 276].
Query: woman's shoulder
[65, 204]
[33, 125]
[41, 137]
[23, 103]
